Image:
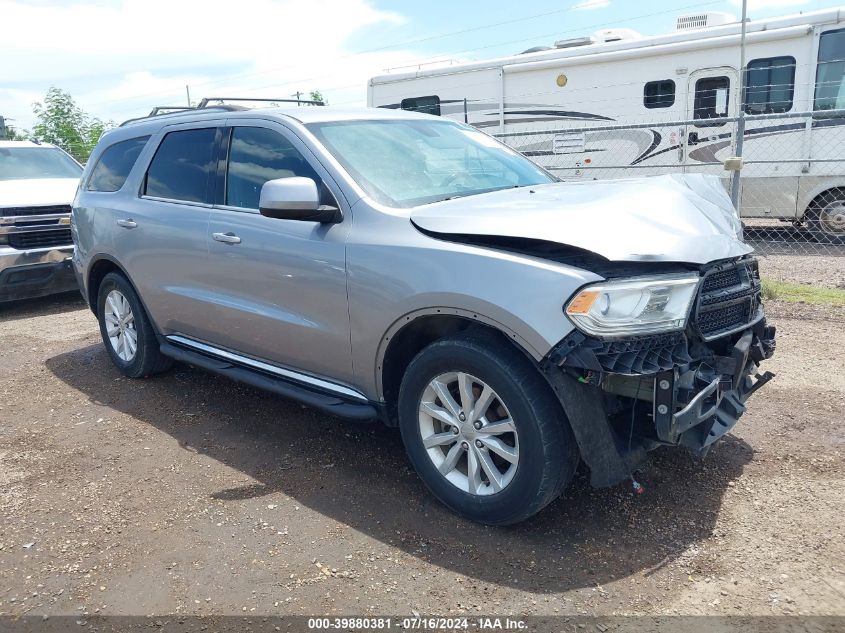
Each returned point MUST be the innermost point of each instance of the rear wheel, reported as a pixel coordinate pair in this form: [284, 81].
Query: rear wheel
[826, 217]
[127, 334]
[484, 431]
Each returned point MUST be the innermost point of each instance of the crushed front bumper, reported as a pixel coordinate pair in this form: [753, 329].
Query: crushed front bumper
[625, 397]
[35, 273]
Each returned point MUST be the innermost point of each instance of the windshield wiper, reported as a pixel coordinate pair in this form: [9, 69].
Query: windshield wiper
[477, 192]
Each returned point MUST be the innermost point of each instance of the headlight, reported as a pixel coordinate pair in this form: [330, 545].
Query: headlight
[634, 306]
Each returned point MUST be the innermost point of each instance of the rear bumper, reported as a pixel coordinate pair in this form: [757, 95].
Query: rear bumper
[35, 273]
[623, 398]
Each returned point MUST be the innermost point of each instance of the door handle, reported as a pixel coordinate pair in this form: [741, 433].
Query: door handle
[127, 224]
[226, 238]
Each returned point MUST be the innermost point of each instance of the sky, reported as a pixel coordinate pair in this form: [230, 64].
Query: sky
[120, 58]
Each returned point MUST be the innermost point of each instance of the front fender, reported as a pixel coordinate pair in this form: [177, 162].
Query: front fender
[521, 296]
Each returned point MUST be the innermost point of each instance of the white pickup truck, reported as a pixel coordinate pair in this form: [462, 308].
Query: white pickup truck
[37, 185]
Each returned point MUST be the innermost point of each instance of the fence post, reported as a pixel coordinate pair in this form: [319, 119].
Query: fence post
[740, 121]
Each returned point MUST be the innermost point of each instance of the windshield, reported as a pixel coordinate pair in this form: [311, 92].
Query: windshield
[18, 163]
[405, 163]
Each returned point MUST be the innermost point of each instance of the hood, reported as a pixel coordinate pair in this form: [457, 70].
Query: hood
[37, 192]
[677, 218]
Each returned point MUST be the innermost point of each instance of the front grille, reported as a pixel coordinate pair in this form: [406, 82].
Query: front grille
[722, 279]
[9, 212]
[40, 239]
[729, 299]
[724, 318]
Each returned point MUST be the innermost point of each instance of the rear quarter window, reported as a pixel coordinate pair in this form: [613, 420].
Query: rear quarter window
[115, 163]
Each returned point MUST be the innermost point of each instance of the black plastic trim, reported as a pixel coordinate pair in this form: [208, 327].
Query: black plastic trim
[333, 405]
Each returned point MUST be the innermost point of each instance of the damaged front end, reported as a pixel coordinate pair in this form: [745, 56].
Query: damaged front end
[626, 395]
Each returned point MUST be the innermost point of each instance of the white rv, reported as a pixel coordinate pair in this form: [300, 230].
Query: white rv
[620, 104]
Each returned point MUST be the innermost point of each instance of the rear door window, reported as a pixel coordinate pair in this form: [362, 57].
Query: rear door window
[183, 166]
[115, 164]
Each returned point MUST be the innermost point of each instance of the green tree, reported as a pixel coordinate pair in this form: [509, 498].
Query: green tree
[316, 95]
[61, 122]
[13, 134]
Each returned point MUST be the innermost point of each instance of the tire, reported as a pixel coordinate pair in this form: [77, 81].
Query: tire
[145, 359]
[542, 440]
[826, 217]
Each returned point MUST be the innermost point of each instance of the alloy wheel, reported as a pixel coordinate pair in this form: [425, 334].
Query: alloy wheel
[120, 326]
[468, 433]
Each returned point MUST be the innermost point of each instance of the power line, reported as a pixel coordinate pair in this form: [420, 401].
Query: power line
[418, 61]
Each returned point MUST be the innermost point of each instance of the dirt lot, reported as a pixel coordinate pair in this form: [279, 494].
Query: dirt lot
[186, 493]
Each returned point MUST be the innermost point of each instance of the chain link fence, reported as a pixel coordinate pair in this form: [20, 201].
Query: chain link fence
[792, 181]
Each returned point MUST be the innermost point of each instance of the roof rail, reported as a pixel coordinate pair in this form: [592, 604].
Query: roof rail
[204, 103]
[164, 111]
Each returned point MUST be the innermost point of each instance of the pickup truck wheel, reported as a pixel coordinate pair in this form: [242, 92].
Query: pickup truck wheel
[128, 336]
[484, 431]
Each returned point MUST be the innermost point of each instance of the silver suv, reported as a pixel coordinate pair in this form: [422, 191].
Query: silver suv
[392, 265]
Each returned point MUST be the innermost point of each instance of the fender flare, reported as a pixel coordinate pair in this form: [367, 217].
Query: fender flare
[409, 317]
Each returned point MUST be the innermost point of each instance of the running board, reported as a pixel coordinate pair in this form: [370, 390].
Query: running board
[334, 405]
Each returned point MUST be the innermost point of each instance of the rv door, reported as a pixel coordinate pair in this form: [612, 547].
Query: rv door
[712, 95]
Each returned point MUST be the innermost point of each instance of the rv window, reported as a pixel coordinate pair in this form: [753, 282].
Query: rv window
[769, 85]
[711, 99]
[426, 105]
[830, 74]
[659, 94]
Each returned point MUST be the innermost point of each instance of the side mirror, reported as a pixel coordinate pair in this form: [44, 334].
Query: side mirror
[295, 199]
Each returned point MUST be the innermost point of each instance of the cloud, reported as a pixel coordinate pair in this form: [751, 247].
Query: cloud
[588, 5]
[118, 58]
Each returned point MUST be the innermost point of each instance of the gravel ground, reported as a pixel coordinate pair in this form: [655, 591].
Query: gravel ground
[186, 493]
[827, 272]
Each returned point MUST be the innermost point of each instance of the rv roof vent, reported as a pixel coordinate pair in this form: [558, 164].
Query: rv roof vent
[615, 35]
[575, 41]
[703, 20]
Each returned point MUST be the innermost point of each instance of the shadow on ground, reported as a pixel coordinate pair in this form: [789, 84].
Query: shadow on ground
[358, 475]
[28, 308]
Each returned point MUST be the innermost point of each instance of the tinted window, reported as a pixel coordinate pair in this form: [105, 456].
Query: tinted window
[115, 164]
[182, 166]
[769, 85]
[711, 99]
[659, 94]
[426, 105]
[257, 155]
[830, 74]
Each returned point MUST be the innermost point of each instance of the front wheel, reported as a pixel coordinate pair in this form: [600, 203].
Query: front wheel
[827, 218]
[484, 431]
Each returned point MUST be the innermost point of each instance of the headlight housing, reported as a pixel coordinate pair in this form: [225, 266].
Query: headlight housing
[626, 307]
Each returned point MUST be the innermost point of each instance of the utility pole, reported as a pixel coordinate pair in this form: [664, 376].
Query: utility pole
[188, 92]
[740, 122]
[297, 94]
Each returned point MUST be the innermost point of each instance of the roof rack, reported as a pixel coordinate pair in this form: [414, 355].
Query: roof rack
[216, 103]
[204, 103]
